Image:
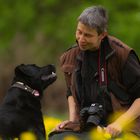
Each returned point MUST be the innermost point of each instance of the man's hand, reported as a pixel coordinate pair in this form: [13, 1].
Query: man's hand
[68, 125]
[114, 129]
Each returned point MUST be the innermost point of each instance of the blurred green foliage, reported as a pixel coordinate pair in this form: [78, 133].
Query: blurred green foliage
[56, 20]
[38, 31]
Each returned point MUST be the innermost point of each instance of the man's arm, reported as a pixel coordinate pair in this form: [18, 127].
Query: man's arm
[73, 123]
[131, 114]
[131, 80]
[73, 114]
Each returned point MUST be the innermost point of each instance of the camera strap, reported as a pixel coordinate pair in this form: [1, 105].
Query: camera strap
[102, 70]
[105, 82]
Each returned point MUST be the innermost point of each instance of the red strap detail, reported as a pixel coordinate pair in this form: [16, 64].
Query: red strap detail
[102, 69]
[99, 67]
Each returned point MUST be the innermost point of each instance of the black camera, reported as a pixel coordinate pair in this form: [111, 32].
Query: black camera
[92, 116]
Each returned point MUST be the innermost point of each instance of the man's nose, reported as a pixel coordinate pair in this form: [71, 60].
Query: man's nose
[81, 38]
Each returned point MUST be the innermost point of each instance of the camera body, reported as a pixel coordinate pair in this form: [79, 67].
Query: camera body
[92, 116]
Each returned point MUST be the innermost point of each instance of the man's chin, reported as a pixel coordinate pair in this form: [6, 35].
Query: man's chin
[83, 48]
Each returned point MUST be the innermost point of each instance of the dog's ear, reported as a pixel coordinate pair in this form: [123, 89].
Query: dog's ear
[21, 70]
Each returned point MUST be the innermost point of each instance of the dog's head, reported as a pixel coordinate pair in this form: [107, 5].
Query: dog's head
[35, 77]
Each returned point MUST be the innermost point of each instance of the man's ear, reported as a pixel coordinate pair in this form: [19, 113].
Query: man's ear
[103, 35]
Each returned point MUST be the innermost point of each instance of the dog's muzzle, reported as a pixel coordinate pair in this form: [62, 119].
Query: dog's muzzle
[52, 75]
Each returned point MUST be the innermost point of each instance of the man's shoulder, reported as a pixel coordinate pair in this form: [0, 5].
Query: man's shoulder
[122, 50]
[73, 48]
[71, 52]
[68, 58]
[115, 42]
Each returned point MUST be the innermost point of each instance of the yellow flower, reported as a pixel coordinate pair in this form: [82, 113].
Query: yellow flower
[14, 139]
[120, 139]
[70, 137]
[107, 135]
[27, 136]
[50, 123]
[96, 135]
[130, 136]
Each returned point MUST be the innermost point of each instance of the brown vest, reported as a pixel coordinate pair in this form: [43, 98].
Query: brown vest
[119, 54]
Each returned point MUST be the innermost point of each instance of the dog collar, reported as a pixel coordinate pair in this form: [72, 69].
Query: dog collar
[26, 88]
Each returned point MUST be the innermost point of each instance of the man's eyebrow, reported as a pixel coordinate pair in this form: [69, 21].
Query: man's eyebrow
[78, 29]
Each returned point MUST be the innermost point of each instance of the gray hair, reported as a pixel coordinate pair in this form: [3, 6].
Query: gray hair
[95, 17]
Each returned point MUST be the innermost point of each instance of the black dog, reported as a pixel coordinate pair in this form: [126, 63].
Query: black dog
[21, 108]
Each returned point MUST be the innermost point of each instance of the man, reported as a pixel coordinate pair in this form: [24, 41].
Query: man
[103, 76]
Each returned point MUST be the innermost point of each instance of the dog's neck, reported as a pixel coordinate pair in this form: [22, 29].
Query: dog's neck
[26, 88]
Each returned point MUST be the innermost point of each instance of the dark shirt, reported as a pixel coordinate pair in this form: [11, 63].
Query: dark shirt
[87, 86]
[131, 75]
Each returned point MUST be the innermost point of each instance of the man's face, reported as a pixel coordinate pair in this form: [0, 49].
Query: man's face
[88, 38]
